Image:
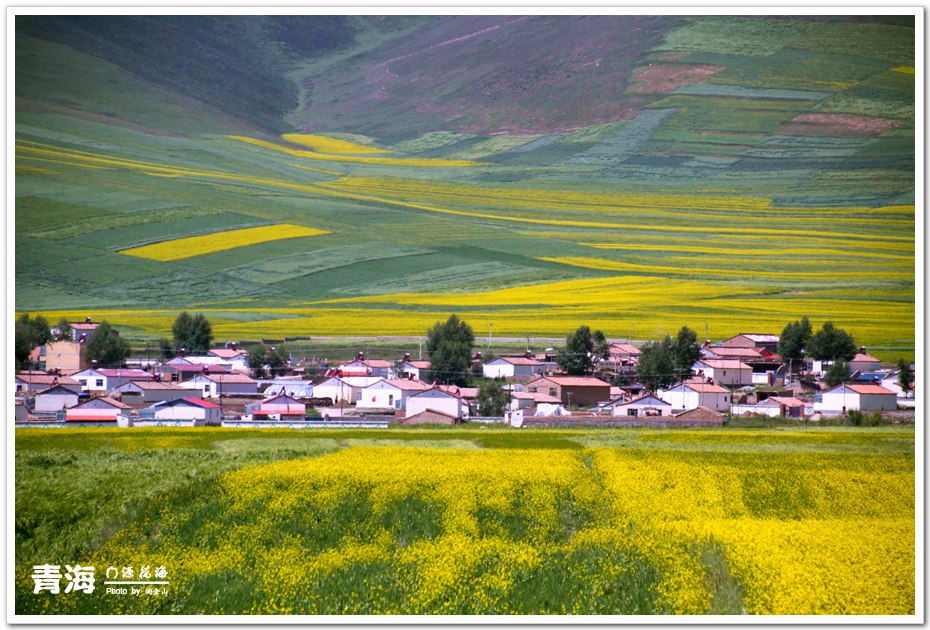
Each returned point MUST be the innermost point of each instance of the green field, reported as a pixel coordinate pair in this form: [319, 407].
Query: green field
[472, 520]
[777, 184]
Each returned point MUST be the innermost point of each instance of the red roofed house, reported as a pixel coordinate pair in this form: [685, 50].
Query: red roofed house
[54, 399]
[279, 407]
[379, 368]
[743, 354]
[98, 411]
[190, 411]
[847, 397]
[389, 394]
[512, 367]
[623, 355]
[580, 391]
[773, 406]
[685, 396]
[415, 369]
[752, 340]
[526, 400]
[23, 382]
[724, 371]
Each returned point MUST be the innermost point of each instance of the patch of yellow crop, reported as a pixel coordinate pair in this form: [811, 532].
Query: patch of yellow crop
[190, 246]
[353, 158]
[768, 254]
[732, 272]
[904, 69]
[325, 144]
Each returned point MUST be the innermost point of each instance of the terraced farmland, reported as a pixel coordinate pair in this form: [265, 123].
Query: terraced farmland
[761, 170]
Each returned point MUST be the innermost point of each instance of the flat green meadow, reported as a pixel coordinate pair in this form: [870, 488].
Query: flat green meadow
[471, 520]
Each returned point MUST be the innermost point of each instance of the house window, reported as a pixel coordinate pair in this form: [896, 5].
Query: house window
[724, 372]
[553, 392]
[631, 412]
[100, 382]
[531, 390]
[206, 388]
[390, 399]
[724, 399]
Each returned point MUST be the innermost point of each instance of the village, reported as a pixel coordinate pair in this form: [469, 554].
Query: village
[739, 377]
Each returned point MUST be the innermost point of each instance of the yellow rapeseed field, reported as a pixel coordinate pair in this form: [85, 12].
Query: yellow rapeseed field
[325, 144]
[404, 530]
[179, 248]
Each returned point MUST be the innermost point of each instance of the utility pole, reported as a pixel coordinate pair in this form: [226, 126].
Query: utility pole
[490, 335]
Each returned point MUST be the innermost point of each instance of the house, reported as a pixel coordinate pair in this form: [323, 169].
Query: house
[623, 357]
[863, 362]
[278, 407]
[378, 368]
[81, 329]
[191, 412]
[848, 397]
[526, 400]
[232, 358]
[512, 367]
[773, 406]
[413, 369]
[649, 405]
[434, 399]
[54, 399]
[741, 354]
[389, 394]
[752, 340]
[432, 417]
[34, 382]
[216, 385]
[186, 368]
[98, 412]
[64, 355]
[345, 389]
[687, 396]
[135, 392]
[106, 379]
[580, 391]
[724, 371]
[701, 416]
[20, 413]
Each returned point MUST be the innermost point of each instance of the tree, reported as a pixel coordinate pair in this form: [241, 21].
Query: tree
[493, 398]
[656, 366]
[838, 373]
[831, 344]
[794, 338]
[194, 333]
[449, 345]
[263, 359]
[685, 353]
[106, 347]
[575, 358]
[905, 376]
[601, 348]
[29, 332]
[64, 330]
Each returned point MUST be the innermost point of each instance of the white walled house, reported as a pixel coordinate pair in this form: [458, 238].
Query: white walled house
[98, 412]
[389, 394]
[436, 400]
[23, 383]
[847, 397]
[687, 396]
[106, 379]
[512, 367]
[192, 412]
[379, 368]
[644, 406]
[232, 358]
[415, 369]
[54, 399]
[724, 371]
[216, 385]
[345, 389]
[153, 391]
[278, 407]
[864, 362]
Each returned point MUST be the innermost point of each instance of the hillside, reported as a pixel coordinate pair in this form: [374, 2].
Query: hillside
[632, 173]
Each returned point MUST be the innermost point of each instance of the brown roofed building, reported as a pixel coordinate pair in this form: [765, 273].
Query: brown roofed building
[580, 391]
